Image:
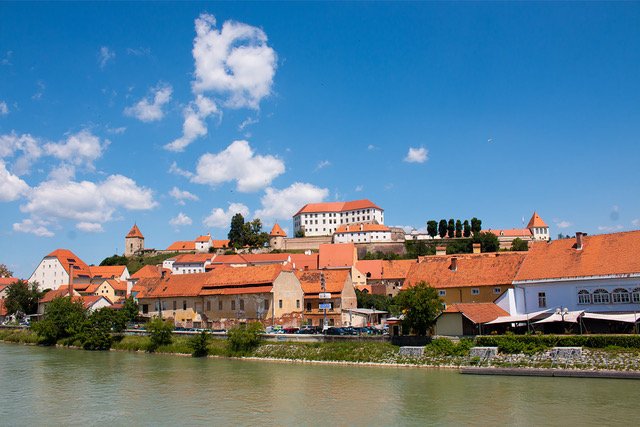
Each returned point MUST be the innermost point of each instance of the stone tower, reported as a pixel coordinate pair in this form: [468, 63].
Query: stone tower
[539, 228]
[276, 237]
[133, 242]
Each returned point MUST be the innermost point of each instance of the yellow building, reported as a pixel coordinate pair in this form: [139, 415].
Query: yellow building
[338, 285]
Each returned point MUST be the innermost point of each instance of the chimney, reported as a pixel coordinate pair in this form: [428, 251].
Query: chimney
[579, 242]
[163, 273]
[441, 250]
[476, 248]
[71, 280]
[454, 263]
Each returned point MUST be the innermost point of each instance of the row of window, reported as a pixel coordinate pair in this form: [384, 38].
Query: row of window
[335, 221]
[602, 296]
[474, 291]
[334, 214]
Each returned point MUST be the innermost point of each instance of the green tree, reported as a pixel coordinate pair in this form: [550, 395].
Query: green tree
[236, 231]
[96, 333]
[299, 233]
[130, 310]
[253, 234]
[451, 228]
[244, 338]
[63, 318]
[519, 245]
[432, 228]
[159, 333]
[467, 228]
[378, 302]
[115, 260]
[442, 228]
[22, 297]
[488, 241]
[458, 228]
[199, 343]
[420, 305]
[462, 246]
[4, 271]
[476, 225]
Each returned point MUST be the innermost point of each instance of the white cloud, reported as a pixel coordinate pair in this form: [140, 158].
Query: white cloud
[4, 110]
[29, 226]
[610, 228]
[10, 144]
[174, 169]
[322, 164]
[372, 147]
[125, 192]
[6, 60]
[81, 148]
[149, 108]
[63, 173]
[11, 187]
[219, 218]
[140, 51]
[247, 122]
[283, 204]
[41, 87]
[180, 220]
[105, 55]
[562, 223]
[90, 227]
[238, 163]
[359, 188]
[117, 131]
[417, 155]
[193, 126]
[182, 195]
[636, 222]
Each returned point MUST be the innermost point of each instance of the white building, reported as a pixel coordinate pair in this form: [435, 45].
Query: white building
[203, 243]
[190, 263]
[323, 219]
[362, 233]
[53, 270]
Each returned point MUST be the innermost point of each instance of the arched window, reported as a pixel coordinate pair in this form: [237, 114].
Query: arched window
[635, 296]
[621, 296]
[584, 297]
[601, 296]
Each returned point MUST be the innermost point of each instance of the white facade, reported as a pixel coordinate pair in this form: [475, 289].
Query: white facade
[595, 295]
[189, 267]
[168, 263]
[540, 233]
[50, 274]
[326, 223]
[362, 237]
[203, 246]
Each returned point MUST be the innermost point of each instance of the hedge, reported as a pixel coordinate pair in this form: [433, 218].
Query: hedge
[534, 343]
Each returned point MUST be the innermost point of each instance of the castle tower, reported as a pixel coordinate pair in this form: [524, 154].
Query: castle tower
[277, 235]
[539, 228]
[133, 241]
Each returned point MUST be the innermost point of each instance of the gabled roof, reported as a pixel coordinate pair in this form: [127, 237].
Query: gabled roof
[229, 259]
[187, 245]
[361, 228]
[204, 238]
[477, 312]
[148, 271]
[146, 285]
[135, 232]
[67, 257]
[338, 255]
[334, 281]
[473, 270]
[601, 255]
[107, 271]
[178, 285]
[302, 261]
[266, 258]
[221, 243]
[251, 275]
[90, 300]
[337, 206]
[536, 221]
[382, 269]
[62, 291]
[277, 231]
[192, 259]
[6, 281]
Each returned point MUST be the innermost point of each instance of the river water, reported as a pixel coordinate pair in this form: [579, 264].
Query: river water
[51, 386]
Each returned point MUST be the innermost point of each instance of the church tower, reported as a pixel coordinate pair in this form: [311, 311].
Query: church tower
[539, 229]
[133, 242]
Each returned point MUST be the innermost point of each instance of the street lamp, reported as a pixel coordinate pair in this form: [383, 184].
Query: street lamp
[562, 312]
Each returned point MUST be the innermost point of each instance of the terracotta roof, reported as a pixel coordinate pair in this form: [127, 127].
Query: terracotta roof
[536, 221]
[92, 288]
[266, 258]
[182, 246]
[237, 290]
[511, 232]
[107, 271]
[229, 259]
[360, 228]
[179, 285]
[66, 257]
[302, 261]
[334, 280]
[192, 258]
[90, 300]
[277, 231]
[8, 280]
[118, 285]
[337, 206]
[135, 232]
[473, 270]
[221, 243]
[382, 269]
[339, 255]
[62, 291]
[252, 275]
[147, 271]
[478, 312]
[146, 285]
[205, 238]
[601, 255]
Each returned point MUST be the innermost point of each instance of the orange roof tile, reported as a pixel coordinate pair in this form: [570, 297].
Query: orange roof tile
[192, 258]
[237, 290]
[90, 300]
[92, 288]
[473, 270]
[536, 221]
[118, 285]
[337, 206]
[229, 259]
[107, 271]
[334, 280]
[179, 285]
[62, 291]
[511, 232]
[383, 269]
[204, 238]
[266, 258]
[360, 228]
[8, 280]
[148, 271]
[277, 231]
[146, 285]
[135, 232]
[251, 275]
[221, 243]
[339, 255]
[601, 255]
[302, 261]
[67, 257]
[478, 312]
[182, 246]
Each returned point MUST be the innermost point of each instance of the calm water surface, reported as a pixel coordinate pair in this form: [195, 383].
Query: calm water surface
[45, 386]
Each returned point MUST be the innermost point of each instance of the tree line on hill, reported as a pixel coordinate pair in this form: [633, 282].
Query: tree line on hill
[454, 229]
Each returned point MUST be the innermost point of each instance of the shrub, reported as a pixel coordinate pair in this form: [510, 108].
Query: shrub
[63, 318]
[242, 339]
[530, 344]
[199, 343]
[159, 333]
[446, 347]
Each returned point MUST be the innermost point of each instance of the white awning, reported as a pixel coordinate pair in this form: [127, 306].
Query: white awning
[518, 318]
[569, 317]
[626, 317]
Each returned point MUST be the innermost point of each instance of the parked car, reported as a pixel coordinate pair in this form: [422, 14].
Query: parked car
[335, 331]
[350, 330]
[310, 330]
[290, 330]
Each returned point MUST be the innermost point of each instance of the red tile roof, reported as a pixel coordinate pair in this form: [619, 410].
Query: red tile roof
[135, 232]
[511, 232]
[8, 280]
[536, 221]
[337, 206]
[266, 258]
[473, 270]
[182, 246]
[334, 281]
[66, 257]
[205, 238]
[601, 255]
[387, 270]
[62, 291]
[477, 312]
[277, 231]
[178, 285]
[221, 243]
[339, 255]
[148, 271]
[237, 290]
[192, 258]
[360, 228]
[107, 271]
[229, 259]
[302, 261]
[252, 275]
[146, 285]
[90, 300]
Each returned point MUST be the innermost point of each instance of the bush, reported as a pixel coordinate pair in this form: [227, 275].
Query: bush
[446, 347]
[63, 318]
[159, 333]
[199, 344]
[529, 344]
[242, 339]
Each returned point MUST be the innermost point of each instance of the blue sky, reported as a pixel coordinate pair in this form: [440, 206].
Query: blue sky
[177, 115]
